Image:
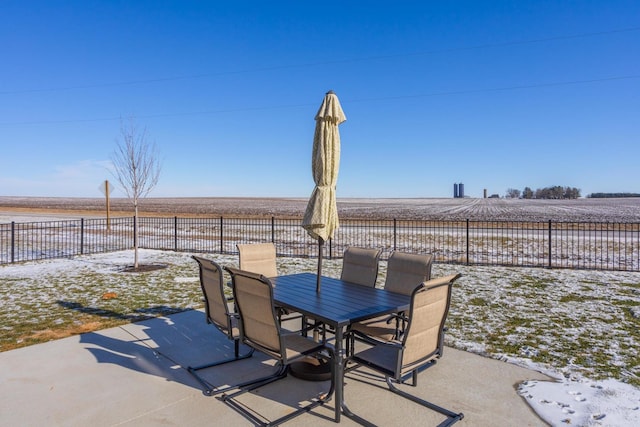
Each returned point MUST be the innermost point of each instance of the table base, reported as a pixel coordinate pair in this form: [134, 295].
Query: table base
[311, 369]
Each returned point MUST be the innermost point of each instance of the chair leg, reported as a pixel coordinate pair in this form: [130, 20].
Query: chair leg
[316, 327]
[281, 373]
[415, 372]
[304, 325]
[453, 416]
[209, 389]
[351, 346]
[252, 385]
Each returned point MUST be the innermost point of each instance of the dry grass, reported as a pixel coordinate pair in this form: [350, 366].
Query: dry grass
[57, 333]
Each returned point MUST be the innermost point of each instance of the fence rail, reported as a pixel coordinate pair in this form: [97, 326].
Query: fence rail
[579, 245]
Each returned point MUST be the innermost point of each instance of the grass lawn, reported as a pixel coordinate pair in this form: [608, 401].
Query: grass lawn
[567, 321]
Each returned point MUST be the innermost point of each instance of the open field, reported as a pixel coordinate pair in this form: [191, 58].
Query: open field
[584, 233]
[590, 210]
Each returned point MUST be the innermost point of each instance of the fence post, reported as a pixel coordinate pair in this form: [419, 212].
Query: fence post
[549, 243]
[273, 230]
[81, 236]
[467, 241]
[395, 235]
[330, 249]
[13, 241]
[221, 239]
[175, 233]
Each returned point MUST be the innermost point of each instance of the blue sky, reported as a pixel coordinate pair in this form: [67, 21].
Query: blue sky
[493, 94]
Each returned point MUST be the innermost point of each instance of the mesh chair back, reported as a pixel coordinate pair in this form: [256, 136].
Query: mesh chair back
[259, 258]
[253, 294]
[360, 266]
[423, 337]
[212, 284]
[406, 271]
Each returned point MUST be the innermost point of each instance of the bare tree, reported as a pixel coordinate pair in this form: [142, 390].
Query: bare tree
[136, 167]
[557, 192]
[527, 193]
[512, 193]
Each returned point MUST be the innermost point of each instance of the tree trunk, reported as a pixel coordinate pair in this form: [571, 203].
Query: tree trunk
[135, 237]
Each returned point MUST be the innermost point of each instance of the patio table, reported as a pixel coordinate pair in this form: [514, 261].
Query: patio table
[338, 304]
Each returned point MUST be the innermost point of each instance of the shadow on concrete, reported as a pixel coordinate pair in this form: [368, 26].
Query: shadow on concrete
[137, 316]
[166, 346]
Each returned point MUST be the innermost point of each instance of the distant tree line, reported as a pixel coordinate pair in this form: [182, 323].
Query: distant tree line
[612, 195]
[555, 192]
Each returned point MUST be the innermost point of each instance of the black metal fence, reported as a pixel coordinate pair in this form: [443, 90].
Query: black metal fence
[579, 245]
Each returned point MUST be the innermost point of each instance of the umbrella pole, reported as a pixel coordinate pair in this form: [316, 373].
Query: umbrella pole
[320, 243]
[312, 368]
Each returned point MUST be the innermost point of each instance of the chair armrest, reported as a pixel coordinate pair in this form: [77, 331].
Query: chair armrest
[399, 316]
[363, 337]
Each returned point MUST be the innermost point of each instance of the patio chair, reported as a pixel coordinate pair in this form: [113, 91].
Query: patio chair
[404, 272]
[360, 266]
[260, 329]
[421, 344]
[218, 314]
[259, 258]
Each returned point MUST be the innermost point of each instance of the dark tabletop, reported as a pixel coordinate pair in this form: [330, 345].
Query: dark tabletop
[338, 303]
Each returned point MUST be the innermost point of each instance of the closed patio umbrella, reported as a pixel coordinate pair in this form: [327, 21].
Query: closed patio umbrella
[321, 216]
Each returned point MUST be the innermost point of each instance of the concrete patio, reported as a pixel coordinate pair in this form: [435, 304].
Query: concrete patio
[136, 375]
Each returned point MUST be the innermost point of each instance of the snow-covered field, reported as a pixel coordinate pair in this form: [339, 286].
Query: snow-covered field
[581, 327]
[449, 209]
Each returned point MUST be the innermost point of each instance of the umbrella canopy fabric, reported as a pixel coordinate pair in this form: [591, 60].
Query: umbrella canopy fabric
[321, 216]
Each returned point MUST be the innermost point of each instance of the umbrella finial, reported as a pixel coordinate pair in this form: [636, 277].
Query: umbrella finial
[330, 93]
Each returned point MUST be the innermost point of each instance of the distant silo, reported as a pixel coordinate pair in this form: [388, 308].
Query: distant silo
[455, 190]
[461, 190]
